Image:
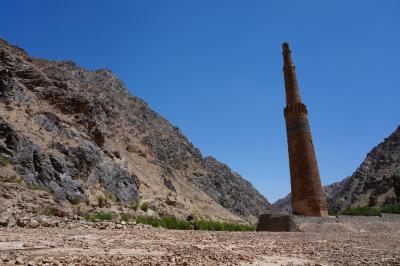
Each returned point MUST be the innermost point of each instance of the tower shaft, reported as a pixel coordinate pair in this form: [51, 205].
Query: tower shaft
[308, 198]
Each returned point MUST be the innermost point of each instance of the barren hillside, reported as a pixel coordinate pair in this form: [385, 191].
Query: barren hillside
[81, 136]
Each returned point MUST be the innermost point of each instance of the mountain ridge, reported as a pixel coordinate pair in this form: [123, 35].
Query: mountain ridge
[370, 185]
[78, 132]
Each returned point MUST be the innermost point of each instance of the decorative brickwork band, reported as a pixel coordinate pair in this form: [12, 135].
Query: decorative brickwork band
[295, 108]
[297, 126]
[307, 195]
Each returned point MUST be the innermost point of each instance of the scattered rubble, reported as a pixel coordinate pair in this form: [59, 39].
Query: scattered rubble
[104, 244]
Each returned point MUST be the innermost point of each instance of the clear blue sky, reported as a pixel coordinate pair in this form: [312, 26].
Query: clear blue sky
[214, 69]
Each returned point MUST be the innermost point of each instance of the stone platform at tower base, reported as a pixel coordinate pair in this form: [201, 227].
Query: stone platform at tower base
[341, 223]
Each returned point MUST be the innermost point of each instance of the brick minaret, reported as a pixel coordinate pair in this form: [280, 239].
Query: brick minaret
[307, 196]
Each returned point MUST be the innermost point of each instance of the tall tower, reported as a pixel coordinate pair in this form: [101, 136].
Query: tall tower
[308, 198]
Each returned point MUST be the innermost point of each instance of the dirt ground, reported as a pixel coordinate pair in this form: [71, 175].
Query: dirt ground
[138, 246]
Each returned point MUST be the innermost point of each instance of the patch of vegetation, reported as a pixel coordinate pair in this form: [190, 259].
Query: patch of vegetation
[168, 222]
[90, 217]
[4, 161]
[104, 216]
[362, 211]
[75, 201]
[48, 212]
[101, 216]
[126, 217]
[210, 225]
[10, 179]
[332, 212]
[391, 204]
[391, 208]
[37, 187]
[134, 206]
[145, 206]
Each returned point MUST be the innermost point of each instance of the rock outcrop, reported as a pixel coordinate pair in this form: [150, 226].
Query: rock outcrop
[76, 133]
[230, 190]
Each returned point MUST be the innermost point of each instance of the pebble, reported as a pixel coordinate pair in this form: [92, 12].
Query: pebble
[33, 223]
[47, 222]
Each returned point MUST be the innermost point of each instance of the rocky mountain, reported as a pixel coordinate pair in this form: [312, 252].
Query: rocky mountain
[81, 136]
[283, 205]
[370, 185]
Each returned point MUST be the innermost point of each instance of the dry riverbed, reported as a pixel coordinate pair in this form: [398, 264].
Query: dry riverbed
[140, 245]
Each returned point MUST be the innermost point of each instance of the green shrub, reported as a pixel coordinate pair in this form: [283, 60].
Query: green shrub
[391, 208]
[210, 225]
[102, 216]
[145, 206]
[134, 206]
[362, 211]
[168, 222]
[4, 161]
[171, 222]
[125, 217]
[89, 217]
[75, 201]
[144, 219]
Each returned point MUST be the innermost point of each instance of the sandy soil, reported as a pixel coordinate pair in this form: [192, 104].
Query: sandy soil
[135, 246]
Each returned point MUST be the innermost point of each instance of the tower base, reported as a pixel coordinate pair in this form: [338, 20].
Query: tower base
[291, 223]
[276, 223]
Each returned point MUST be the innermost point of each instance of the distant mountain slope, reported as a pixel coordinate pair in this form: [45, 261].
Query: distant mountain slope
[370, 185]
[74, 131]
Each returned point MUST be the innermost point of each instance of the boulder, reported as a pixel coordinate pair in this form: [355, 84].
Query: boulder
[4, 220]
[23, 222]
[171, 200]
[48, 222]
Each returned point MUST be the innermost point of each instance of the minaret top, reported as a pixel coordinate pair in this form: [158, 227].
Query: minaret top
[289, 69]
[285, 46]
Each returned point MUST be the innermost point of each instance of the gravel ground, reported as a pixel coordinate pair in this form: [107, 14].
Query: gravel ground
[148, 246]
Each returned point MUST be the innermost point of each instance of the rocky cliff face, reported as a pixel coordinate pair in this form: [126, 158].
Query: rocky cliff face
[370, 185]
[230, 190]
[78, 133]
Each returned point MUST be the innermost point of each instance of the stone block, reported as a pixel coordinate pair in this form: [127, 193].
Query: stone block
[276, 223]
